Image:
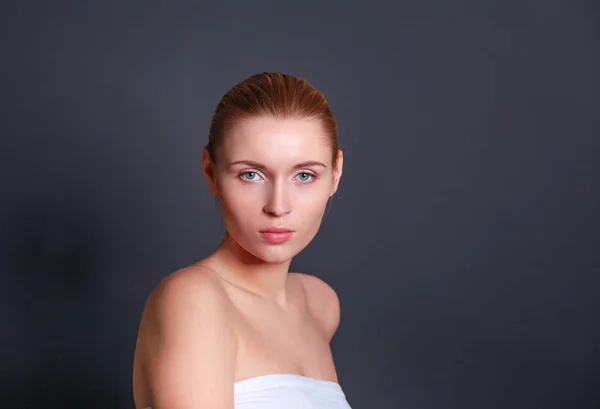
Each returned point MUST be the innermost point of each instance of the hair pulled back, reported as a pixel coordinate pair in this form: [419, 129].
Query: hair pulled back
[271, 94]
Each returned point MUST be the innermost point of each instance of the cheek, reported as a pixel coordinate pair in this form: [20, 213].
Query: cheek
[240, 204]
[310, 207]
[313, 203]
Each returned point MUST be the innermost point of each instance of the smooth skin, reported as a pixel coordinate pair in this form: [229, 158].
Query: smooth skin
[239, 313]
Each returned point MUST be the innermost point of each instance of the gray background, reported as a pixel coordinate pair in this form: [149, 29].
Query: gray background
[464, 240]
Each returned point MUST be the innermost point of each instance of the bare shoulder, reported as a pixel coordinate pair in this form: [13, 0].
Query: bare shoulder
[322, 300]
[186, 344]
[187, 296]
[178, 294]
[188, 287]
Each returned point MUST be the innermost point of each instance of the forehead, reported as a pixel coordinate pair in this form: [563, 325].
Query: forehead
[277, 141]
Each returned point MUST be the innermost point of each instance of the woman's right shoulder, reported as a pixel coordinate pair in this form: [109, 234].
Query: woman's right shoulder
[192, 288]
[187, 345]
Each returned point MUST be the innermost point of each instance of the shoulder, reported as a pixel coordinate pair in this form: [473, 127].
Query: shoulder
[187, 287]
[322, 301]
[189, 296]
[186, 343]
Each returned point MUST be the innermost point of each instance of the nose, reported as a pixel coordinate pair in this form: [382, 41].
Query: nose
[278, 203]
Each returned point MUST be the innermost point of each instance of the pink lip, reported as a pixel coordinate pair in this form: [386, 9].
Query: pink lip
[276, 234]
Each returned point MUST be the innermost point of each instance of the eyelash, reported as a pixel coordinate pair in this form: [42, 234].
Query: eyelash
[241, 176]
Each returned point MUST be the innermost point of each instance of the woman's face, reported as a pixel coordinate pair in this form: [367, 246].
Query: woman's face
[274, 178]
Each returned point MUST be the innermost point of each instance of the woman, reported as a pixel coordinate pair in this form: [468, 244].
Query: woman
[236, 329]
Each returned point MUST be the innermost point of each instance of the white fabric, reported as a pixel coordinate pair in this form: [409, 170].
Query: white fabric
[280, 391]
[287, 391]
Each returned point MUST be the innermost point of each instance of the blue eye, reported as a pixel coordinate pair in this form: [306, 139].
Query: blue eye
[250, 176]
[304, 176]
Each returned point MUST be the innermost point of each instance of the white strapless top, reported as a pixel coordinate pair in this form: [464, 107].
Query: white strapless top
[278, 391]
[288, 391]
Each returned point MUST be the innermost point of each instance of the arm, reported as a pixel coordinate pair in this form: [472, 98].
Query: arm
[323, 302]
[191, 348]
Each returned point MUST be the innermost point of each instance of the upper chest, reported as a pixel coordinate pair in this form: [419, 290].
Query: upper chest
[292, 337]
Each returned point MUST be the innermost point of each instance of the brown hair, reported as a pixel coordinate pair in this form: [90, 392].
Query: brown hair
[275, 94]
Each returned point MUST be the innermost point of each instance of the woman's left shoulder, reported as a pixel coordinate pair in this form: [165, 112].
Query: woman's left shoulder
[322, 301]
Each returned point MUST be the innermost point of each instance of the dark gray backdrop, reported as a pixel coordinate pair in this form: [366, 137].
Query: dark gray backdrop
[464, 240]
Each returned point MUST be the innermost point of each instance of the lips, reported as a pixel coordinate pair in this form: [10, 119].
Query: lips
[276, 235]
[277, 230]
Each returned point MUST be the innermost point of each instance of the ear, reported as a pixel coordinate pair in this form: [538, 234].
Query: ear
[209, 171]
[337, 172]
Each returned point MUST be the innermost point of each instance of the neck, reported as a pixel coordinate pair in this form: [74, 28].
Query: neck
[251, 274]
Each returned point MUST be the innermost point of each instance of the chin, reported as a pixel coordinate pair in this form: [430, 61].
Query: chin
[271, 253]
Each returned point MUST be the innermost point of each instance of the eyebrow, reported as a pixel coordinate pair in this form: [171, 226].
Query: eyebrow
[306, 164]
